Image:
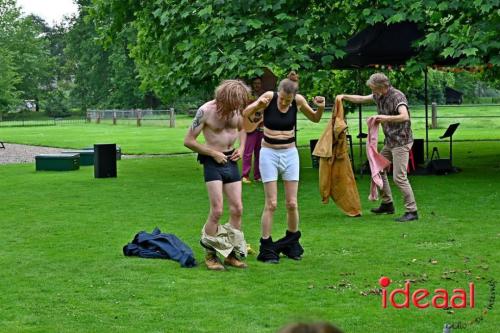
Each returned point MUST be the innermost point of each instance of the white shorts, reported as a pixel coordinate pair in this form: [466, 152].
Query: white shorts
[274, 162]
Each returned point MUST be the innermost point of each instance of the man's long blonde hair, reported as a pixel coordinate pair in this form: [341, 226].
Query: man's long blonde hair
[231, 96]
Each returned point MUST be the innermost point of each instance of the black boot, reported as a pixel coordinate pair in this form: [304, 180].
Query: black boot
[267, 251]
[407, 217]
[385, 208]
[290, 246]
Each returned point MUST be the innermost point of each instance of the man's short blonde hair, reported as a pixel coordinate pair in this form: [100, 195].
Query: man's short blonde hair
[378, 80]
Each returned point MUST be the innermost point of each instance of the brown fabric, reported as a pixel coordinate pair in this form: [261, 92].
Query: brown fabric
[336, 179]
[228, 239]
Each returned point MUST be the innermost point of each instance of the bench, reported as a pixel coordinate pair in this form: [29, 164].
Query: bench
[57, 162]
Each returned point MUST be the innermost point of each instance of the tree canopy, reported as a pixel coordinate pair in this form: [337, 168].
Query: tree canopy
[25, 61]
[125, 53]
[185, 44]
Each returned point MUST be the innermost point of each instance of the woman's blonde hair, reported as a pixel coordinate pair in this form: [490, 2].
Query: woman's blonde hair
[290, 85]
[378, 80]
[230, 96]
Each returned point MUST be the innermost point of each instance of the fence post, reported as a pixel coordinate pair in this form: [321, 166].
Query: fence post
[172, 118]
[98, 118]
[114, 118]
[138, 113]
[434, 115]
[88, 119]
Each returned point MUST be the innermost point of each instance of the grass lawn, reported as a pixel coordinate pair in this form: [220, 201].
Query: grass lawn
[155, 138]
[62, 235]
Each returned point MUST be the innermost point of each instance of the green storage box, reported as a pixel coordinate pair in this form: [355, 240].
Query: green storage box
[57, 162]
[86, 156]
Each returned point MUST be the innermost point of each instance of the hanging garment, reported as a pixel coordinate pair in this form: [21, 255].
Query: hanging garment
[160, 246]
[377, 162]
[336, 179]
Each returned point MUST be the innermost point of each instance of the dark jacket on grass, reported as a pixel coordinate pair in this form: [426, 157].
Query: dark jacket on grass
[158, 245]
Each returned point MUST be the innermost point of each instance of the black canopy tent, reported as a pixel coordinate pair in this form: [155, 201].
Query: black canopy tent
[387, 45]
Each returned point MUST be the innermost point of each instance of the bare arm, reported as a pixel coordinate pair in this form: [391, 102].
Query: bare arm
[401, 117]
[193, 133]
[314, 116]
[357, 99]
[242, 136]
[260, 104]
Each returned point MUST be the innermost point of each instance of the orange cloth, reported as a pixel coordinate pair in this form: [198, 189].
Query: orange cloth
[336, 179]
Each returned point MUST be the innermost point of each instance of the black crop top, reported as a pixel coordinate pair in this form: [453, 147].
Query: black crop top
[276, 120]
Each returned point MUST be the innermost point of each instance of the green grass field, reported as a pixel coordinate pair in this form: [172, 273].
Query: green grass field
[62, 235]
[154, 137]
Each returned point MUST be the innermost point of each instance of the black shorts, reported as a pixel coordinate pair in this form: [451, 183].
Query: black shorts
[227, 172]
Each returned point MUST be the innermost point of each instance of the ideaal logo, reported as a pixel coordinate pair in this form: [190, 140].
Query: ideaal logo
[440, 299]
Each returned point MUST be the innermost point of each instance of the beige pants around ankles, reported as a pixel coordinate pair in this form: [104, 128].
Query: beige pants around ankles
[399, 157]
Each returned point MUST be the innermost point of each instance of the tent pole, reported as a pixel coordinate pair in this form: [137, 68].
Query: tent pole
[426, 115]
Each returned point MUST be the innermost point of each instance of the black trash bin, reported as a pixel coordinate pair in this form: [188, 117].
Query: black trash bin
[314, 159]
[418, 151]
[105, 160]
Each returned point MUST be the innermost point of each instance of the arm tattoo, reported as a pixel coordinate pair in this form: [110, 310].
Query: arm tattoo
[197, 119]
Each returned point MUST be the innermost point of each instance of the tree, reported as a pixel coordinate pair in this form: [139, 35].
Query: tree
[25, 54]
[183, 45]
[8, 81]
[8, 76]
[104, 78]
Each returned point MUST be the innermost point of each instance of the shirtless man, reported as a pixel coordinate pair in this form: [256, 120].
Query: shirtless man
[220, 121]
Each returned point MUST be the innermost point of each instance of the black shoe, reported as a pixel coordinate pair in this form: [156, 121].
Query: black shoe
[267, 252]
[290, 246]
[385, 208]
[407, 217]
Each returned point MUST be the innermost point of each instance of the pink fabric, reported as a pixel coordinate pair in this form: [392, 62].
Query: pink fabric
[377, 162]
[252, 147]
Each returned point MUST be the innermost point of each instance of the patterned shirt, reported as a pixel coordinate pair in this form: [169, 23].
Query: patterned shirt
[396, 134]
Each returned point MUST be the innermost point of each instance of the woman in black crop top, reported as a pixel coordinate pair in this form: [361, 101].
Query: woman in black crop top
[279, 156]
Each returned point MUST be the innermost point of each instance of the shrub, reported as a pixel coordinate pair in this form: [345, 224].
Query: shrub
[57, 105]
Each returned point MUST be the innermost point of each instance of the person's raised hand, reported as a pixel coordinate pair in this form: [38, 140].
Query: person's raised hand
[319, 101]
[263, 101]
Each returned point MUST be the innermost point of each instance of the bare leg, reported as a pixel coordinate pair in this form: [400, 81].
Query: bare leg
[271, 192]
[233, 196]
[292, 210]
[214, 189]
